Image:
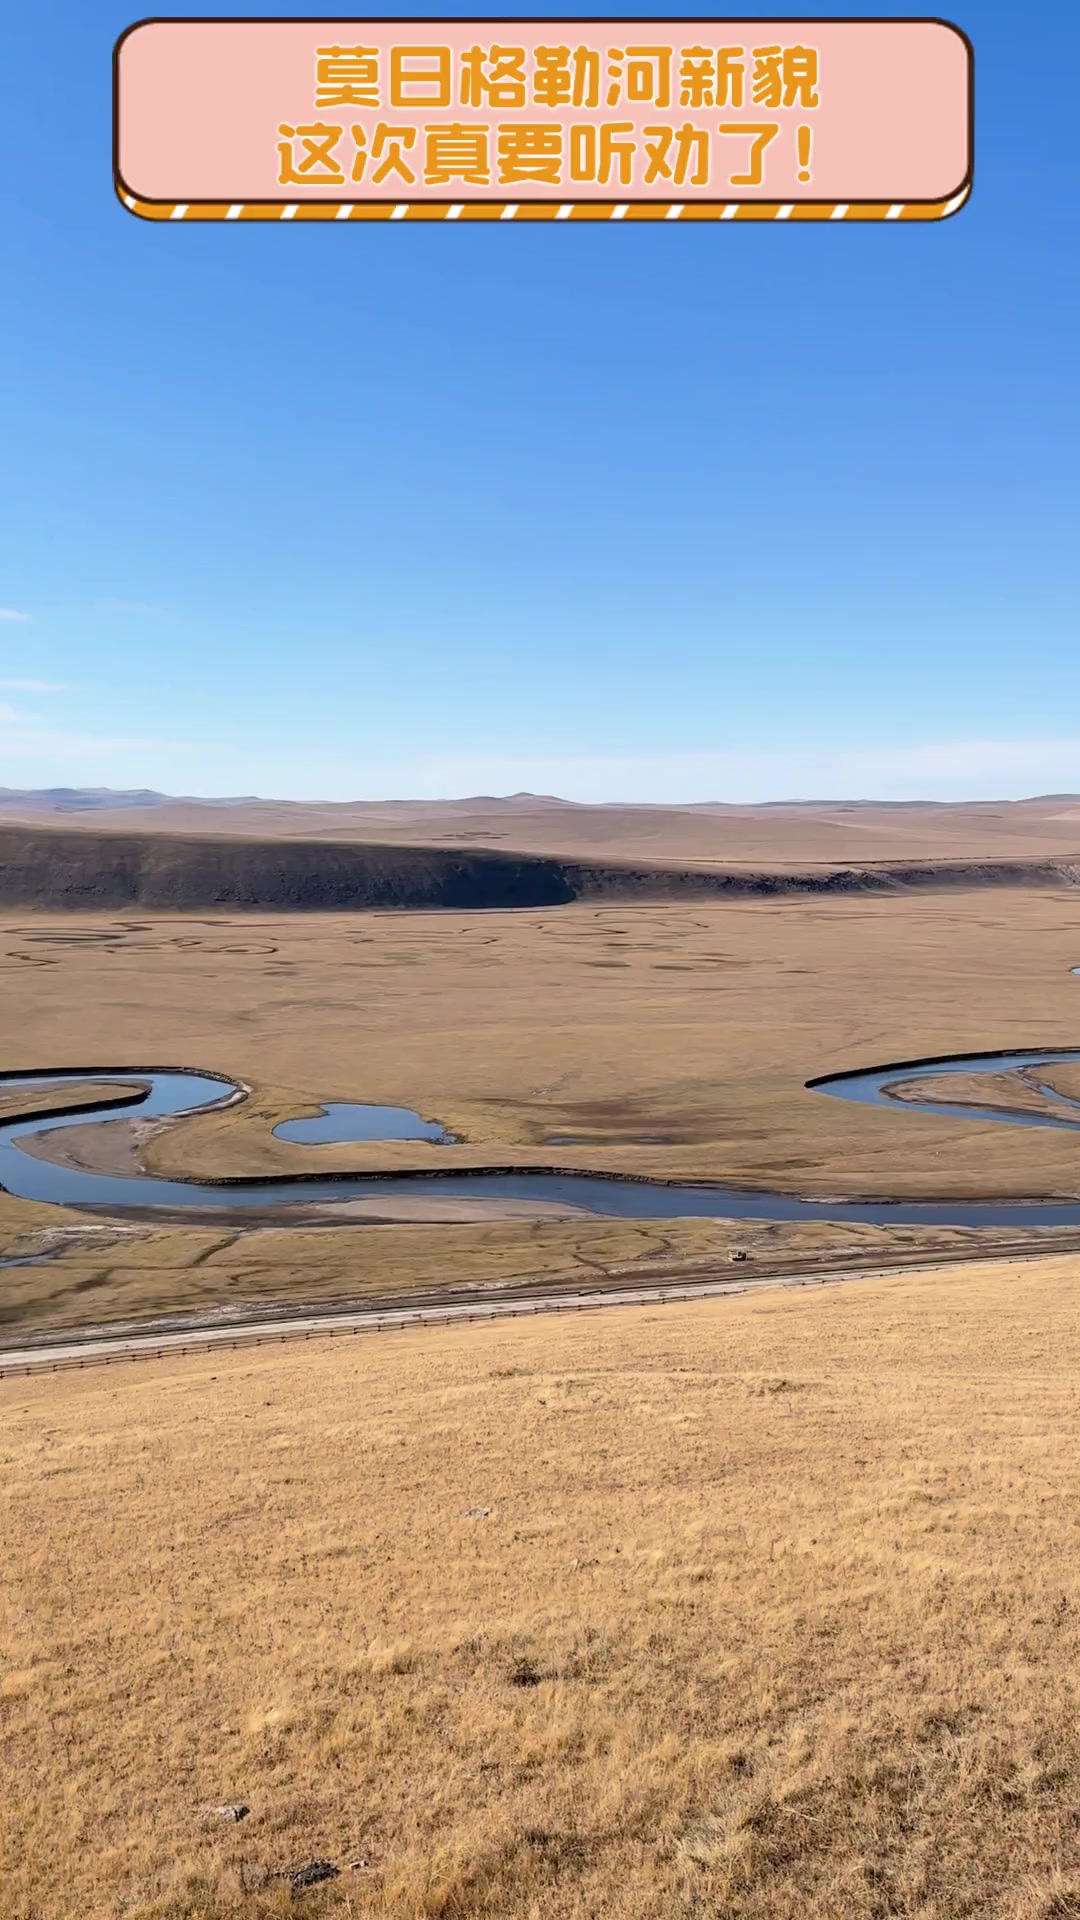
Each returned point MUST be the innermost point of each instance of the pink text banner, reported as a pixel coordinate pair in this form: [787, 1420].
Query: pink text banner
[572, 118]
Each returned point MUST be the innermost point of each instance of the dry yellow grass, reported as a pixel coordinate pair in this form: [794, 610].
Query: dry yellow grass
[1013, 1091]
[139, 1273]
[673, 1041]
[135, 1276]
[15, 1102]
[765, 1608]
[670, 1041]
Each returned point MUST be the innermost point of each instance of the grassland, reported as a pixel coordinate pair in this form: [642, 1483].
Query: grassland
[17, 1103]
[778, 835]
[141, 872]
[666, 1041]
[759, 1609]
[763, 1608]
[1014, 1091]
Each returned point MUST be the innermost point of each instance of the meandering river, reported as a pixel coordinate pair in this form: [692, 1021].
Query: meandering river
[154, 1094]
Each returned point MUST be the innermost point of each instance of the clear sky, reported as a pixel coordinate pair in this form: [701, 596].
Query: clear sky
[631, 511]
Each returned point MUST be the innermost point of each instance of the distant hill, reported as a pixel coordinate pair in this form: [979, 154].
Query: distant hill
[117, 799]
[777, 835]
[103, 799]
[75, 799]
[111, 799]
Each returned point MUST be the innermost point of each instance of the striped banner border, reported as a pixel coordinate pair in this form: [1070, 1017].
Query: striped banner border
[541, 210]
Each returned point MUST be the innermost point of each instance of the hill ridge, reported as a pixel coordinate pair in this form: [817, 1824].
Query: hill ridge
[62, 868]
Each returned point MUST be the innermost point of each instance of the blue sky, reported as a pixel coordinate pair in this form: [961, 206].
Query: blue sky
[730, 512]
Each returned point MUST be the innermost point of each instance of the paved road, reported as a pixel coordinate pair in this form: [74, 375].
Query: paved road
[98, 1349]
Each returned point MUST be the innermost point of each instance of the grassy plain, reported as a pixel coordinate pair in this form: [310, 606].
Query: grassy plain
[668, 1041]
[17, 1103]
[780, 835]
[760, 1608]
[1018, 1090]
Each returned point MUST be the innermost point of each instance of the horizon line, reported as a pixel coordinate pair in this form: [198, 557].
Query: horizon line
[151, 797]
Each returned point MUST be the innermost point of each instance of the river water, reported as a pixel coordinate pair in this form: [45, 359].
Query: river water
[157, 1094]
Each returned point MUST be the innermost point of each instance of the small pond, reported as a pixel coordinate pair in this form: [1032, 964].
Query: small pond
[334, 1124]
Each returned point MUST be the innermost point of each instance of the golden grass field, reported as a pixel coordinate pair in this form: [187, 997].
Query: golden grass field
[17, 1103]
[696, 1027]
[761, 1608]
[755, 1608]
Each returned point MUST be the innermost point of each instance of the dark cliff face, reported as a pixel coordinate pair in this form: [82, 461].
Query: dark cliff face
[46, 867]
[57, 869]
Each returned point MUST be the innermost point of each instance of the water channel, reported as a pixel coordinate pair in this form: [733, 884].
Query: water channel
[156, 1094]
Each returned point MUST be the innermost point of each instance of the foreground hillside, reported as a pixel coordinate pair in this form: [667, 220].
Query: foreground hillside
[763, 1608]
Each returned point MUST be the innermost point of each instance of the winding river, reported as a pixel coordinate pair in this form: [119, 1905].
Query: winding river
[153, 1094]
